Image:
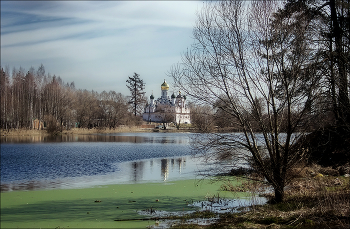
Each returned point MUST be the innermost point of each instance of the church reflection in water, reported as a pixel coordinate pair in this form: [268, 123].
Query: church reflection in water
[157, 169]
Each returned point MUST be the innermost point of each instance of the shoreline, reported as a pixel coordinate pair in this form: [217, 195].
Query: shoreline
[25, 132]
[82, 131]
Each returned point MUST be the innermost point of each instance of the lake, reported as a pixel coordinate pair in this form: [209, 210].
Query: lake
[107, 181]
[81, 161]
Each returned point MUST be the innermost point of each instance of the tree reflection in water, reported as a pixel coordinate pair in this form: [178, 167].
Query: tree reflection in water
[158, 169]
[137, 170]
[164, 169]
[79, 161]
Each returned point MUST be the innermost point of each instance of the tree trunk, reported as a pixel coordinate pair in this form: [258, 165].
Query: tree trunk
[279, 183]
[343, 101]
[279, 194]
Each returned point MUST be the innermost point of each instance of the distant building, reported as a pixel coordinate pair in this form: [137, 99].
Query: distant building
[167, 109]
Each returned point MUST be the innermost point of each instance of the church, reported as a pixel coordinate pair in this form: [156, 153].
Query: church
[167, 109]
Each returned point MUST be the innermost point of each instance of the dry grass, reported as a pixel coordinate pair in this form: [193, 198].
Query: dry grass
[22, 132]
[25, 132]
[120, 129]
[312, 200]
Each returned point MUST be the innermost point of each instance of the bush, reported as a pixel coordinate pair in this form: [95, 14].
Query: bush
[327, 147]
[52, 125]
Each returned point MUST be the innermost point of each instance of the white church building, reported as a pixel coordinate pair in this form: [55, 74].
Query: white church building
[167, 109]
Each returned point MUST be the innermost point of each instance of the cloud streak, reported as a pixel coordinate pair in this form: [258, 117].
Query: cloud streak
[97, 44]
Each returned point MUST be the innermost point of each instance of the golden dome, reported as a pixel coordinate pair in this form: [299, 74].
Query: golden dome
[165, 86]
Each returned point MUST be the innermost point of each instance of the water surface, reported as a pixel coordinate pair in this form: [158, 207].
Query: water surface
[90, 160]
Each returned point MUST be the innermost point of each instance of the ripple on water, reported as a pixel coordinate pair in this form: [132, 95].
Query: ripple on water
[28, 163]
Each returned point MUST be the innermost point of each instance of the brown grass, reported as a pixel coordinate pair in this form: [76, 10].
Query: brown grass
[312, 200]
[120, 129]
[22, 132]
[25, 132]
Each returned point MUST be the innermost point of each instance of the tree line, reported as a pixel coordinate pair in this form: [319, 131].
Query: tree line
[33, 94]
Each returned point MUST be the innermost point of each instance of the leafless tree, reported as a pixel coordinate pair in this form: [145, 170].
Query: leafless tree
[261, 75]
[4, 97]
[114, 109]
[37, 95]
[202, 117]
[86, 105]
[166, 118]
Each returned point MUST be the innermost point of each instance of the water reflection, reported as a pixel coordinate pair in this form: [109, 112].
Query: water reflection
[163, 138]
[150, 170]
[137, 170]
[72, 138]
[160, 169]
[74, 161]
[164, 169]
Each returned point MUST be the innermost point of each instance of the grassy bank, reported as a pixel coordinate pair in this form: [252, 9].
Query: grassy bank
[313, 200]
[25, 132]
[120, 129]
[112, 206]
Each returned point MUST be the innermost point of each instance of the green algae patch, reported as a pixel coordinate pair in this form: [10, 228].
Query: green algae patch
[111, 206]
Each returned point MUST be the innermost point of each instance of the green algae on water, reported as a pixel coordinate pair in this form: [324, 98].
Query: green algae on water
[99, 207]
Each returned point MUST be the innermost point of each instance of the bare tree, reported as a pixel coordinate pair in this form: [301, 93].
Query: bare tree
[167, 117]
[120, 106]
[202, 117]
[257, 71]
[86, 108]
[114, 109]
[59, 105]
[30, 96]
[4, 97]
[137, 98]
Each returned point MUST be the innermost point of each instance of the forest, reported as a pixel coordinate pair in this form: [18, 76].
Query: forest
[34, 95]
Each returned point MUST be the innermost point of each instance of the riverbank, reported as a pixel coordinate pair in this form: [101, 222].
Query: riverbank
[25, 132]
[313, 200]
[120, 129]
[109, 206]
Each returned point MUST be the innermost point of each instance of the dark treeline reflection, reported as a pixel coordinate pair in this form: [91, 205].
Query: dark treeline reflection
[94, 138]
[72, 138]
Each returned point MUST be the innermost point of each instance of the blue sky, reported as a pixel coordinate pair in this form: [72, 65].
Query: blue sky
[98, 44]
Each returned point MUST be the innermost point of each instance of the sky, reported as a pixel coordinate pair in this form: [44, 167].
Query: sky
[98, 44]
